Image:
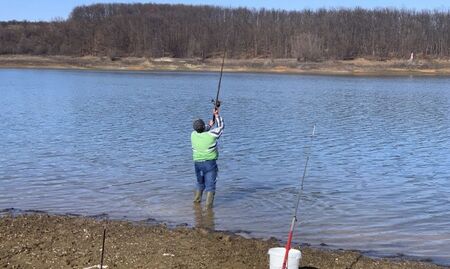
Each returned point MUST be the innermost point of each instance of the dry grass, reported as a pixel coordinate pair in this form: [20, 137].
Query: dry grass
[357, 66]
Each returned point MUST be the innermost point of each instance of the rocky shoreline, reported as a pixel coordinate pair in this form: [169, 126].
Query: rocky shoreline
[356, 67]
[40, 240]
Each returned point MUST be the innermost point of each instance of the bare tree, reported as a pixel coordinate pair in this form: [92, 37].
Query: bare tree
[156, 30]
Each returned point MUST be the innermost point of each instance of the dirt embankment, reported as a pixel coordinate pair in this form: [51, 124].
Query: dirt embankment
[43, 241]
[351, 67]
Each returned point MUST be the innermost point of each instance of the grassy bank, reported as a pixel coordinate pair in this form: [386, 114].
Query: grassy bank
[360, 66]
[43, 241]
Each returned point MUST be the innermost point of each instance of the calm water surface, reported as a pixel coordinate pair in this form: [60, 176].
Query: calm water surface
[378, 177]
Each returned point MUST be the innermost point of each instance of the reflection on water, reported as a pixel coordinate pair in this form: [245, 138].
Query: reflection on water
[204, 217]
[119, 143]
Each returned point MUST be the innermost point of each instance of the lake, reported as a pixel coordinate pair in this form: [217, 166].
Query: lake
[118, 143]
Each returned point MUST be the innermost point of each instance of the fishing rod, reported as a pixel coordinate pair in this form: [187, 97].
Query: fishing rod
[294, 218]
[216, 101]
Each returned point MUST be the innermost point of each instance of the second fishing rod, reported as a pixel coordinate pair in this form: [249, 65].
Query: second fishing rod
[294, 218]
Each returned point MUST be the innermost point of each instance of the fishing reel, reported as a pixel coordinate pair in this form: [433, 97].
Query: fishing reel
[216, 104]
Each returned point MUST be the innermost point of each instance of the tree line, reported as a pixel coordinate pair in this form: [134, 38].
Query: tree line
[160, 30]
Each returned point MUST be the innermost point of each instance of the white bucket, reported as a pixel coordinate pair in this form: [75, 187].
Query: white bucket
[277, 256]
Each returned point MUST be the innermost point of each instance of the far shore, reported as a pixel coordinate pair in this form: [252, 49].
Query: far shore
[353, 67]
[40, 240]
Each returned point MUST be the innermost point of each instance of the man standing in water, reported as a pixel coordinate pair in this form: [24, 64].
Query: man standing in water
[204, 147]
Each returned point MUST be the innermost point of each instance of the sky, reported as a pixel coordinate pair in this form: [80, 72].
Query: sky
[46, 10]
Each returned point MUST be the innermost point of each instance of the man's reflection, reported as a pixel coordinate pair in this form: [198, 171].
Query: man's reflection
[204, 218]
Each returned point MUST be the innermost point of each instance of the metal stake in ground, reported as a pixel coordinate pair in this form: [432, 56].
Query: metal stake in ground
[103, 248]
[294, 219]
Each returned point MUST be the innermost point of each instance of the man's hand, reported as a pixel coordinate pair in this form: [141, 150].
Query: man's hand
[211, 123]
[216, 111]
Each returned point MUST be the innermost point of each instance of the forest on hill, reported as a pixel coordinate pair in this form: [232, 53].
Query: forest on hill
[183, 31]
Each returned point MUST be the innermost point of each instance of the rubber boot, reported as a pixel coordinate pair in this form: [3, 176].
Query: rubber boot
[209, 199]
[198, 196]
